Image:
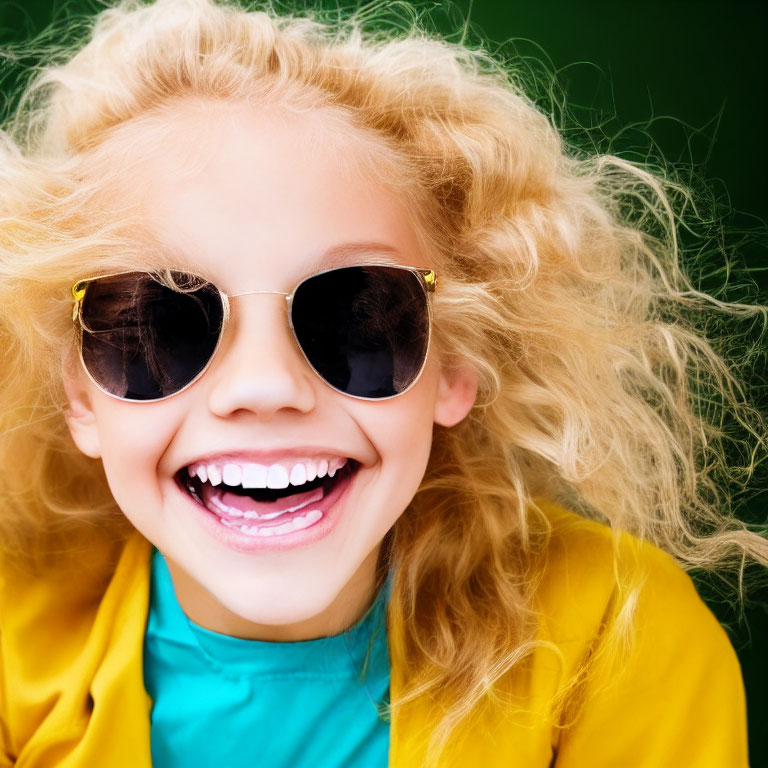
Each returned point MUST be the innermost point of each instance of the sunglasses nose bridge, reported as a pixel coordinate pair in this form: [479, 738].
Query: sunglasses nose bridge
[258, 372]
[287, 296]
[256, 293]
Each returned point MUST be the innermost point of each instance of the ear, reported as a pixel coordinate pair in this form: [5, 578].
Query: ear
[457, 390]
[79, 414]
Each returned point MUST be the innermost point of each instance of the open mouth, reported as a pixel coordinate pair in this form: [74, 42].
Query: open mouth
[264, 511]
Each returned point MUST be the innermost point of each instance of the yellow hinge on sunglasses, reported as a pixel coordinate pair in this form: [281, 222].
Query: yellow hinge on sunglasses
[78, 294]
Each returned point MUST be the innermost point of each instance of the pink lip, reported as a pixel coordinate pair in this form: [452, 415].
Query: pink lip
[331, 507]
[266, 456]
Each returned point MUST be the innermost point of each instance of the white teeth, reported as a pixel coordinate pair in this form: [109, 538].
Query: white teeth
[254, 476]
[284, 528]
[298, 475]
[297, 524]
[251, 515]
[224, 509]
[334, 465]
[277, 477]
[214, 475]
[232, 474]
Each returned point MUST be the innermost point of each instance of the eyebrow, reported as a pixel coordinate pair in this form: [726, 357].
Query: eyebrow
[339, 255]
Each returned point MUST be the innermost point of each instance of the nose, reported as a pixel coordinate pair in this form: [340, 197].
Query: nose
[259, 368]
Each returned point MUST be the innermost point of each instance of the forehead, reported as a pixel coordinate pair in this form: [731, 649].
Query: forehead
[249, 195]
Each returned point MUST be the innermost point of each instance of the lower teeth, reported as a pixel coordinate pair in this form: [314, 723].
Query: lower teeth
[297, 524]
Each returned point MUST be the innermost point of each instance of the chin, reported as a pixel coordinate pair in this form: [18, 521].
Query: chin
[276, 604]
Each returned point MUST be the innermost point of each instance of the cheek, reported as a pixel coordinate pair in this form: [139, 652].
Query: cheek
[133, 441]
[401, 432]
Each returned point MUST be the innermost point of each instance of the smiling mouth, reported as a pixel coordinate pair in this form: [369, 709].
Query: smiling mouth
[264, 511]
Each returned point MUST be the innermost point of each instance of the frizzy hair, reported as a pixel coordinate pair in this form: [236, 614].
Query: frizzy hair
[559, 284]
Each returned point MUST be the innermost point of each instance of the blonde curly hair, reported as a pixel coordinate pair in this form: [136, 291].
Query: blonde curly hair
[560, 286]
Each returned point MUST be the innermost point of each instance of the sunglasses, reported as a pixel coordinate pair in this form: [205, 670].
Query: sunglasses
[145, 336]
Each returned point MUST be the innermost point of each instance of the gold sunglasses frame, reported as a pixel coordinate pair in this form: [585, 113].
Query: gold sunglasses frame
[79, 290]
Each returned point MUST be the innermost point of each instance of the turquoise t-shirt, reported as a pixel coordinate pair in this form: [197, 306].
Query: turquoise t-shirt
[232, 703]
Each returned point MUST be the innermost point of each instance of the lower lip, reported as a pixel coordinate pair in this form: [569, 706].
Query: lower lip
[330, 505]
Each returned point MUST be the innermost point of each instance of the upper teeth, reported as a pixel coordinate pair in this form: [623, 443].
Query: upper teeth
[250, 475]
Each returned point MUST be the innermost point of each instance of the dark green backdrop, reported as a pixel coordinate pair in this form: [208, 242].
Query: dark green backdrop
[695, 75]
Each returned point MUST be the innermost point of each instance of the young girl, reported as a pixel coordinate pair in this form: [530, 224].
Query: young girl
[346, 417]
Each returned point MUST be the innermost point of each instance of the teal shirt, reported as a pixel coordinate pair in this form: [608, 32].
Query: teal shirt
[224, 701]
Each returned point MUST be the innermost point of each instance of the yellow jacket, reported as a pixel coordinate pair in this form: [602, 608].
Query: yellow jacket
[72, 692]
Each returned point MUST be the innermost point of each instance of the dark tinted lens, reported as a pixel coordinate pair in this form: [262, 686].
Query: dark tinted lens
[365, 330]
[144, 339]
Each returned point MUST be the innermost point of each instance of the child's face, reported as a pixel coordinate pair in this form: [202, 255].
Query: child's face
[253, 200]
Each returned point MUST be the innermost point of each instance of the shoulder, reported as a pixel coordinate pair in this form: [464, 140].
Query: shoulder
[58, 627]
[588, 568]
[67, 596]
[641, 655]
[587, 563]
[627, 609]
[65, 585]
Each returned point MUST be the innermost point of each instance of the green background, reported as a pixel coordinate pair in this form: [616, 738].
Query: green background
[693, 75]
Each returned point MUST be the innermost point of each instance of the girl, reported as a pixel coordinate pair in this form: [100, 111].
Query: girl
[347, 417]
